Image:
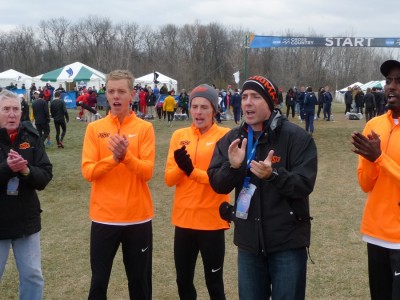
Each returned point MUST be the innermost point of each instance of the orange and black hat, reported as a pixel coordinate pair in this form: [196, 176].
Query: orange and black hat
[265, 87]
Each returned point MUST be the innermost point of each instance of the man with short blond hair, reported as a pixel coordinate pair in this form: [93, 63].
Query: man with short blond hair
[118, 159]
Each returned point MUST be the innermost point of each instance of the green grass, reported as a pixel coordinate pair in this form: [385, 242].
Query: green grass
[339, 272]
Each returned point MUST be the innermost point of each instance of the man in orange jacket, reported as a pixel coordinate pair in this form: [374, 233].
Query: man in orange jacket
[379, 176]
[118, 159]
[195, 213]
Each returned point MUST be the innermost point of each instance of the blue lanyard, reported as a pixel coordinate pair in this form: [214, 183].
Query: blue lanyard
[251, 153]
[251, 150]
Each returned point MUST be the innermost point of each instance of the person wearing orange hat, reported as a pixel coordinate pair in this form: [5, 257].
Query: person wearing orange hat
[272, 165]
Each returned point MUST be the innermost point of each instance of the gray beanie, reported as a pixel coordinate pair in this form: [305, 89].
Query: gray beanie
[206, 91]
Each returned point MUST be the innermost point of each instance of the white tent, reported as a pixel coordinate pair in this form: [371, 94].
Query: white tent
[75, 72]
[376, 83]
[339, 95]
[12, 76]
[149, 81]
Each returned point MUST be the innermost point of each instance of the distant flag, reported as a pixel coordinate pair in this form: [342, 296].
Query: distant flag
[236, 75]
[155, 78]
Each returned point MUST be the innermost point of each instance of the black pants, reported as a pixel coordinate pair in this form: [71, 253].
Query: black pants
[44, 131]
[320, 108]
[288, 108]
[137, 249]
[384, 273]
[211, 244]
[170, 115]
[369, 113]
[236, 114]
[63, 127]
[348, 108]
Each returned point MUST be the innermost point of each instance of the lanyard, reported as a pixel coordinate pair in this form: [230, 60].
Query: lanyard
[251, 150]
[251, 153]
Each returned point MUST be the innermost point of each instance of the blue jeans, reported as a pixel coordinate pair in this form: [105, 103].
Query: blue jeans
[28, 260]
[280, 275]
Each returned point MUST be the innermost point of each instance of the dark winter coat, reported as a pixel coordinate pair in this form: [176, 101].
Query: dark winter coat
[20, 214]
[279, 214]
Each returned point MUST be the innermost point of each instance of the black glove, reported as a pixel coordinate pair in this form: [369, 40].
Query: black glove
[227, 211]
[183, 160]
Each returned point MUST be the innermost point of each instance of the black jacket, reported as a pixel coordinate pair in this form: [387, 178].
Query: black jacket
[278, 217]
[348, 98]
[40, 111]
[20, 215]
[24, 111]
[59, 111]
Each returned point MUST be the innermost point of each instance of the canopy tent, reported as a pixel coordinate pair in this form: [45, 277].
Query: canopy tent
[12, 76]
[339, 95]
[149, 81]
[380, 84]
[75, 72]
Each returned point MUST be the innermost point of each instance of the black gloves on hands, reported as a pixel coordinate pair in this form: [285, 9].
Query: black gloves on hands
[183, 160]
[227, 211]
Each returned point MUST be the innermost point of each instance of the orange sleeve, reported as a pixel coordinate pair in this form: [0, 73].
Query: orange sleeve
[200, 176]
[92, 168]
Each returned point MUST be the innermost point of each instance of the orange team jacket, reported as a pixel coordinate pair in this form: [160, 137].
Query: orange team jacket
[381, 180]
[119, 190]
[196, 205]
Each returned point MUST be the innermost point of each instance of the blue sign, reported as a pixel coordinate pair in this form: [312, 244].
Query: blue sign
[257, 41]
[69, 99]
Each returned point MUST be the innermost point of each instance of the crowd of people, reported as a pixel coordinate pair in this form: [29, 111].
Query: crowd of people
[269, 162]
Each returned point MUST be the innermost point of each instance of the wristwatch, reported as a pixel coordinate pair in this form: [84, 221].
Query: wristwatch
[273, 176]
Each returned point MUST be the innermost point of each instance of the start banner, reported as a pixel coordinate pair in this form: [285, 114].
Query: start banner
[258, 41]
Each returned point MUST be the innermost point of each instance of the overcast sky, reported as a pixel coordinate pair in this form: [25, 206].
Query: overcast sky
[263, 17]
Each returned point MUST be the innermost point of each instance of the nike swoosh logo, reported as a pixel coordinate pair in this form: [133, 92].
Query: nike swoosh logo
[144, 249]
[396, 273]
[215, 270]
[209, 143]
[131, 135]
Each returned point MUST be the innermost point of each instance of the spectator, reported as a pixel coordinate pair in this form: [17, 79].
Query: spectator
[327, 100]
[348, 100]
[370, 105]
[59, 113]
[236, 101]
[24, 108]
[24, 168]
[290, 102]
[169, 106]
[41, 115]
[164, 89]
[150, 102]
[310, 100]
[272, 165]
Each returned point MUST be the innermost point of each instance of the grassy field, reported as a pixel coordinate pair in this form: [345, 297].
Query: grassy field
[339, 270]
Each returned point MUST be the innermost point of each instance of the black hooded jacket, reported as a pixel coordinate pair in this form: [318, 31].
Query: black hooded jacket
[279, 215]
[20, 214]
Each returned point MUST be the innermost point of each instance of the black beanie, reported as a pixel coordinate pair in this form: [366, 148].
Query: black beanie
[265, 87]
